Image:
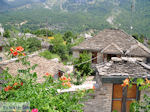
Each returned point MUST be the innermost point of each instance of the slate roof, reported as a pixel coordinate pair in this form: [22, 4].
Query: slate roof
[43, 67]
[114, 41]
[124, 67]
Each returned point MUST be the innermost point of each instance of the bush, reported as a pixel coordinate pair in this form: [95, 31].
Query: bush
[30, 44]
[7, 34]
[85, 68]
[59, 47]
[43, 32]
[33, 44]
[48, 55]
[42, 96]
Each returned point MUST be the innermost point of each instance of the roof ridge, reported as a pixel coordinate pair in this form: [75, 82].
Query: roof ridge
[116, 46]
[136, 46]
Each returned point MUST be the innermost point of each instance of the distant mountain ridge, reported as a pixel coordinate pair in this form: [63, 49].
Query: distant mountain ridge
[3, 5]
[79, 15]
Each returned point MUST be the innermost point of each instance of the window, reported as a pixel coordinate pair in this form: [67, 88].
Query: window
[123, 97]
[109, 56]
[94, 55]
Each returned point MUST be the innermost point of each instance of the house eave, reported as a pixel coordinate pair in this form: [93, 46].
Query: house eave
[119, 79]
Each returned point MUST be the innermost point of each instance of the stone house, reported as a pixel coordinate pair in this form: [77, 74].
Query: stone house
[111, 43]
[116, 56]
[111, 95]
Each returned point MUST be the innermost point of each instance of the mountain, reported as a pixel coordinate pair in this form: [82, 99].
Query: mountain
[3, 5]
[78, 15]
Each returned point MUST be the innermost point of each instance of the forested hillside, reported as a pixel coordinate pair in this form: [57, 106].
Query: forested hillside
[79, 15]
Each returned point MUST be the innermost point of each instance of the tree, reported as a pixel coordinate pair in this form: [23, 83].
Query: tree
[33, 44]
[59, 47]
[43, 32]
[68, 36]
[30, 44]
[140, 38]
[83, 64]
[7, 34]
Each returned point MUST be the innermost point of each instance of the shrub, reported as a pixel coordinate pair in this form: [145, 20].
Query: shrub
[29, 44]
[48, 55]
[33, 44]
[59, 47]
[43, 32]
[42, 96]
[83, 65]
[7, 34]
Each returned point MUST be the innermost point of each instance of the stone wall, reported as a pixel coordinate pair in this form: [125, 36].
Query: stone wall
[147, 92]
[76, 54]
[101, 101]
[99, 58]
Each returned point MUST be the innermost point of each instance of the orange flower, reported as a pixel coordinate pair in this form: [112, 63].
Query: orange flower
[15, 53]
[69, 79]
[23, 54]
[11, 50]
[123, 85]
[47, 74]
[63, 83]
[93, 87]
[7, 88]
[15, 84]
[66, 84]
[21, 84]
[63, 78]
[125, 82]
[19, 48]
[147, 81]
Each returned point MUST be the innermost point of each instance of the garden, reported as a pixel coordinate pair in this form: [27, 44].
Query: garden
[43, 97]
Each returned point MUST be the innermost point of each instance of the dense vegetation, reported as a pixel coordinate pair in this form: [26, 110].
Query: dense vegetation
[78, 17]
[43, 97]
[30, 44]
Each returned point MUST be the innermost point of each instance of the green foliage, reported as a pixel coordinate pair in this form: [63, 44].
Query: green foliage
[85, 68]
[29, 44]
[78, 41]
[79, 78]
[68, 37]
[135, 36]
[82, 17]
[140, 38]
[43, 96]
[33, 44]
[59, 47]
[115, 111]
[43, 32]
[48, 55]
[143, 105]
[7, 34]
[26, 30]
[148, 42]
